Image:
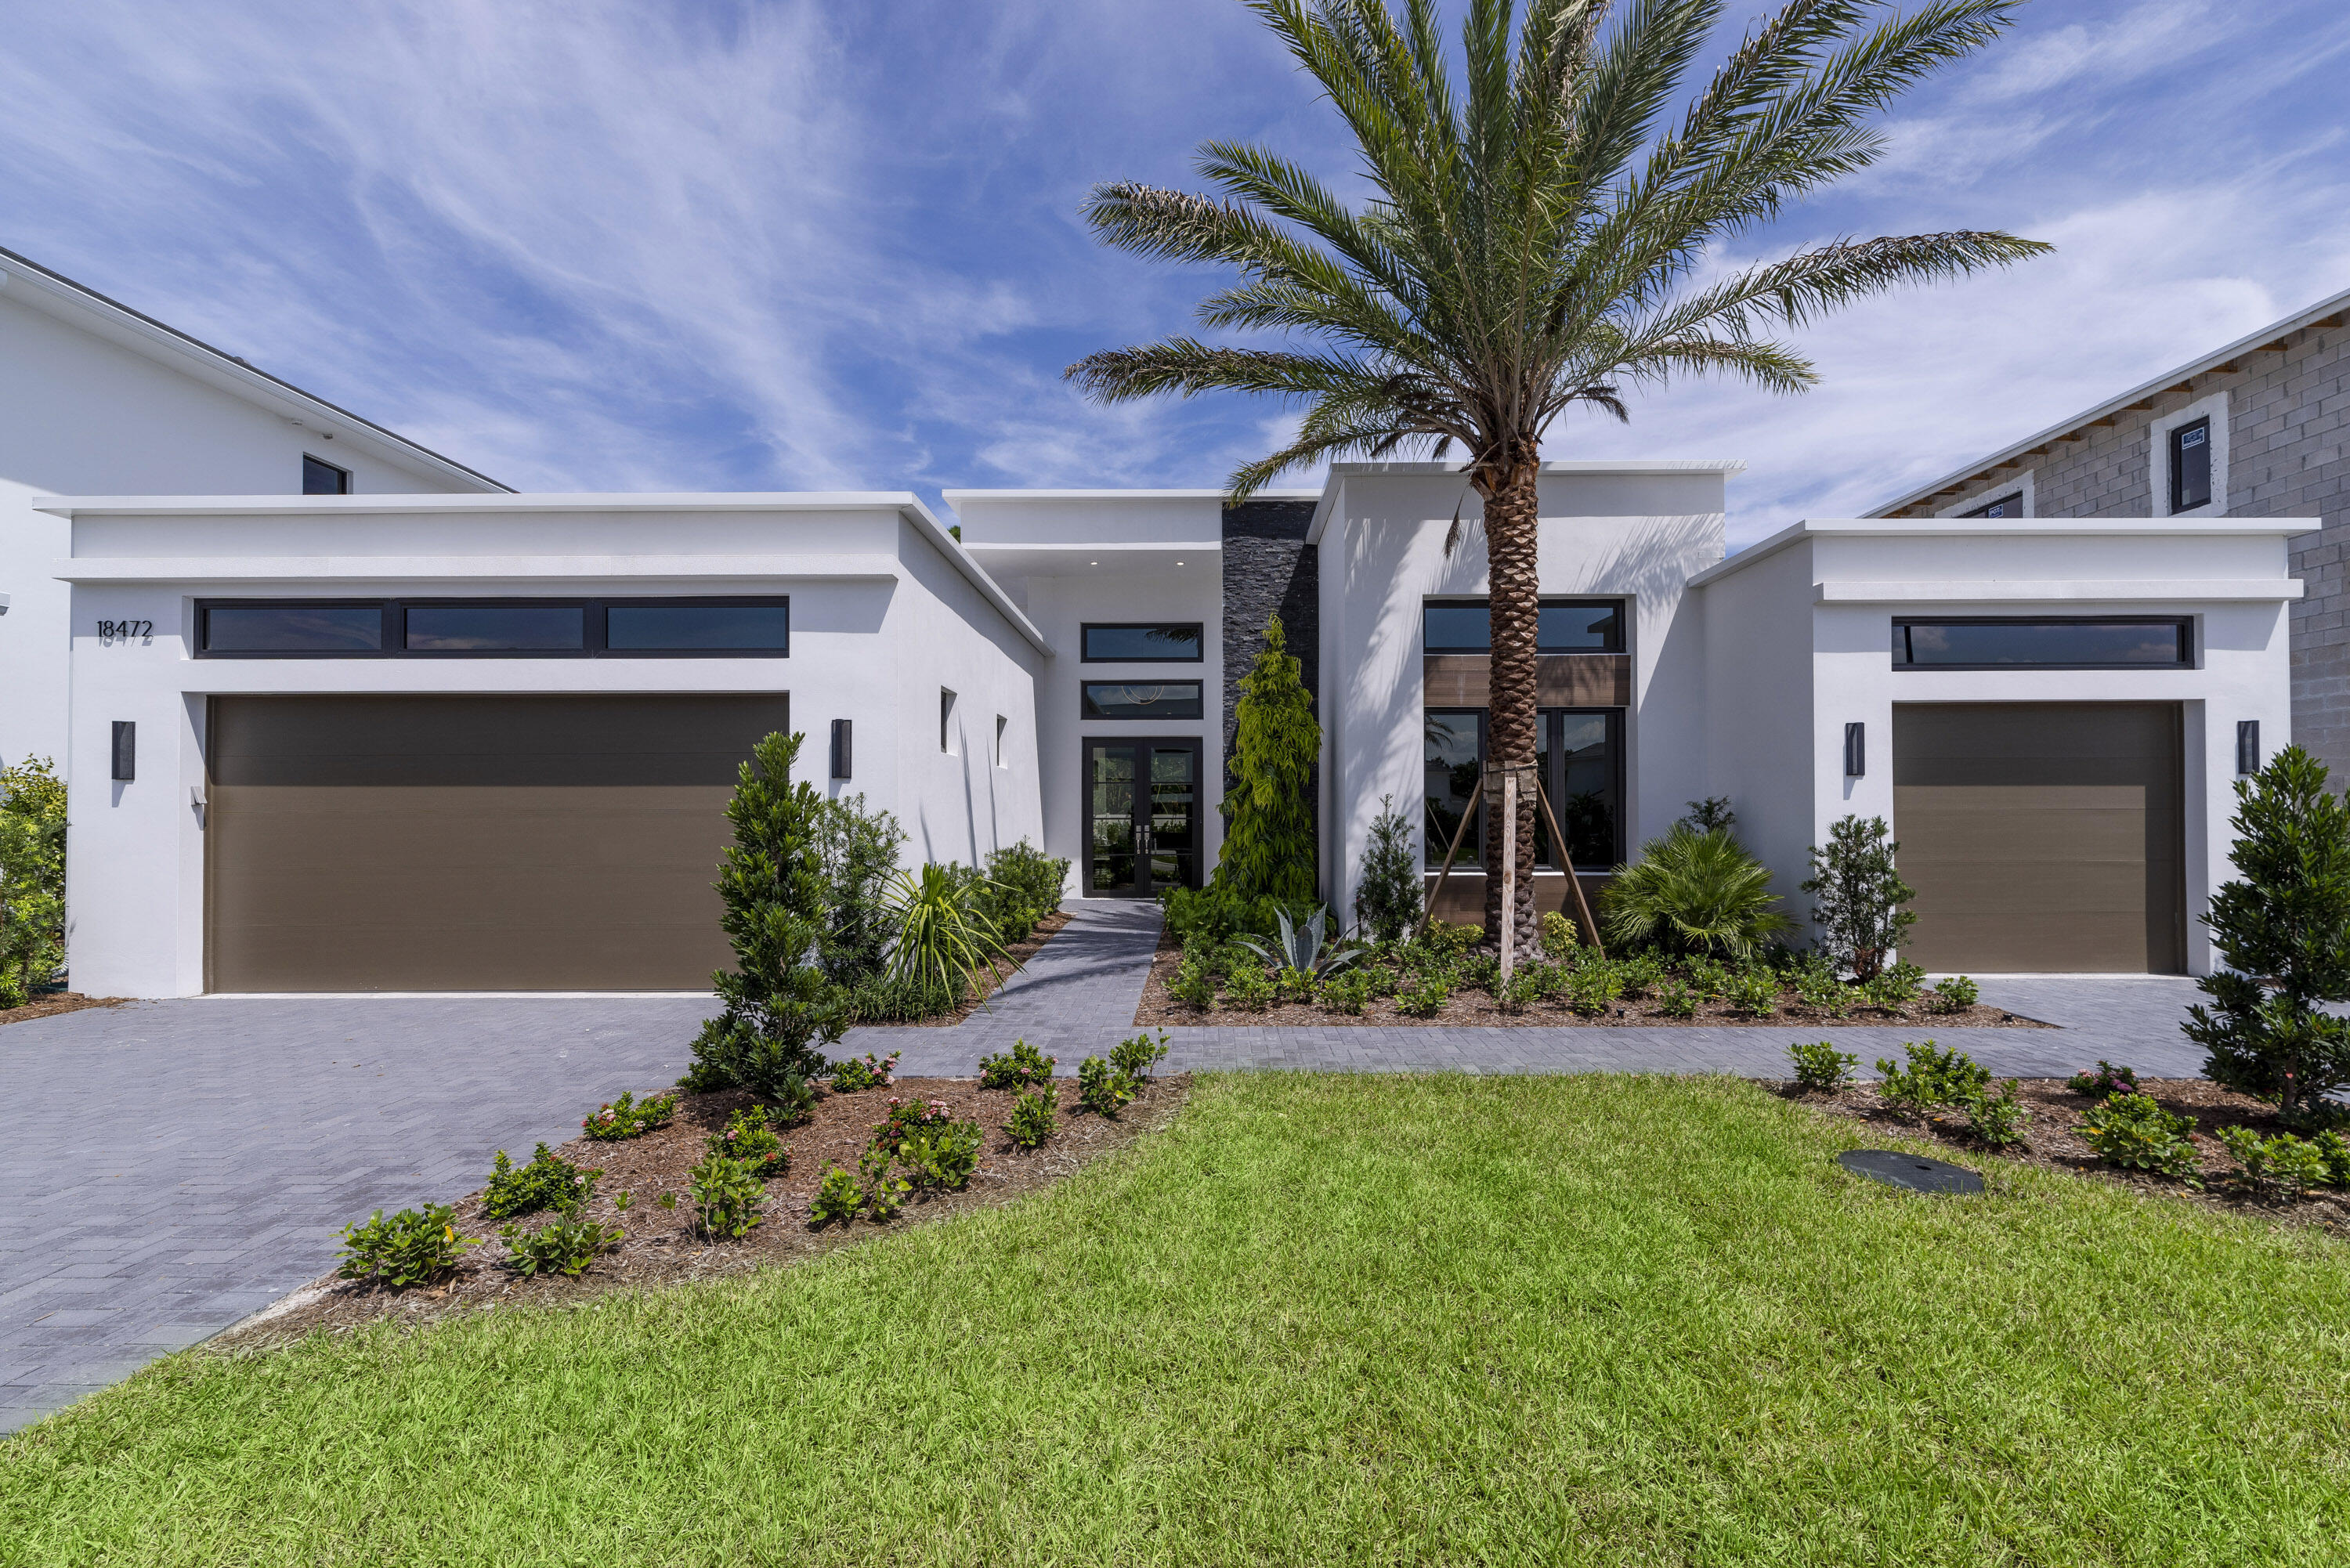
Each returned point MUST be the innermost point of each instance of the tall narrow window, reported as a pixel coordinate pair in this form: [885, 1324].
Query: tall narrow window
[946, 721]
[1001, 723]
[2191, 465]
[320, 477]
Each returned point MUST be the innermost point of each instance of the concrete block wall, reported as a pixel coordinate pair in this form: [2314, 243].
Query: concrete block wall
[2288, 456]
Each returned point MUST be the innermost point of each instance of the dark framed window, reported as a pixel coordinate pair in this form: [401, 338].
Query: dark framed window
[2080, 642]
[1141, 642]
[2008, 505]
[704, 627]
[1579, 752]
[320, 477]
[1566, 626]
[1141, 699]
[2191, 465]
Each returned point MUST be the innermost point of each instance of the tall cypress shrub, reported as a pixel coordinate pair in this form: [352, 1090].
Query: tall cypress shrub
[2283, 931]
[779, 1002]
[1268, 847]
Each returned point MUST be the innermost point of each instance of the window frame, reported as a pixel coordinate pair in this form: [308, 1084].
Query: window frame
[1983, 511]
[595, 629]
[2174, 451]
[342, 475]
[1433, 850]
[1084, 705]
[1087, 628]
[2185, 624]
[1620, 606]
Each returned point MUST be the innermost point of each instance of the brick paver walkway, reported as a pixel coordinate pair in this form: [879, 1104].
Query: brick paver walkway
[175, 1165]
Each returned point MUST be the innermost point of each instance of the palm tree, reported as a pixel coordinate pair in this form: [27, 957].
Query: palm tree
[1530, 244]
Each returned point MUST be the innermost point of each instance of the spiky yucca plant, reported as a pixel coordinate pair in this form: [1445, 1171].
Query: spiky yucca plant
[1534, 223]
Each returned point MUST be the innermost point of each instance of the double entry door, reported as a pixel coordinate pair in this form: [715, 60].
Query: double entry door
[1142, 817]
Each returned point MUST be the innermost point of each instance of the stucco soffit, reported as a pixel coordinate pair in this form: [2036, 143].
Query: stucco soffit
[473, 568]
[2205, 590]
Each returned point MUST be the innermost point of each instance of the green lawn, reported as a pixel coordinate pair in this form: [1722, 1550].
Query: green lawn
[1322, 1318]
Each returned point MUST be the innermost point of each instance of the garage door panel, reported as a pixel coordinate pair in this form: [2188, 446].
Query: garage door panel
[430, 843]
[2041, 836]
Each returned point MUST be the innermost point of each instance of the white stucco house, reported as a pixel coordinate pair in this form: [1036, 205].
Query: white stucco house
[99, 399]
[368, 743]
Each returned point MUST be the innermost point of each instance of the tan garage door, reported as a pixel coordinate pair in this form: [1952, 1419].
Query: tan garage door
[471, 842]
[2042, 835]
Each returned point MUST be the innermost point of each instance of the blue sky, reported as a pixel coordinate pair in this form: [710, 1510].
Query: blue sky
[637, 244]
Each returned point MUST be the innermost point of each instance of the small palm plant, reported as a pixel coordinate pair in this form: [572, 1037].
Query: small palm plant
[941, 937]
[1694, 892]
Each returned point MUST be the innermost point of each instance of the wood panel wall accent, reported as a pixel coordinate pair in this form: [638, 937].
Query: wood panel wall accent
[1565, 680]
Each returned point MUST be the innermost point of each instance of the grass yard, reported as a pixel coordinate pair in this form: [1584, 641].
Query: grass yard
[1320, 1319]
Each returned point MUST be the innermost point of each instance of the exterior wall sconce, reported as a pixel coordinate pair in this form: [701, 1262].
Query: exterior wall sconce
[1855, 751]
[2248, 747]
[126, 750]
[840, 748]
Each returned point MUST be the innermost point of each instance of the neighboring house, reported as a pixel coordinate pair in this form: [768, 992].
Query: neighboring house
[482, 742]
[2258, 428]
[98, 400]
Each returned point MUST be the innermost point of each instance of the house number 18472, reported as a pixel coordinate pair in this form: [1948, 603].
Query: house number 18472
[124, 630]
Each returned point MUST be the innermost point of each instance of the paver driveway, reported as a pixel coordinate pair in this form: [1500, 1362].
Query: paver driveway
[174, 1166]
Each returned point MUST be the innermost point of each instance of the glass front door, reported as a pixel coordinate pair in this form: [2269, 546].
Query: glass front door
[1142, 801]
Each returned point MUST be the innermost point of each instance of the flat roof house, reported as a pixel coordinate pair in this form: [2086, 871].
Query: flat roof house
[96, 399]
[482, 742]
[2260, 428]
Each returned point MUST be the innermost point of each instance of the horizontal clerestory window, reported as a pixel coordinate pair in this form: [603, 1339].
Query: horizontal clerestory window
[754, 627]
[1142, 700]
[2080, 642]
[1565, 626]
[1141, 642]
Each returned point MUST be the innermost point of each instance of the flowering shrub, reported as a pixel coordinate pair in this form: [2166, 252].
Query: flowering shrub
[549, 1181]
[408, 1248]
[941, 1158]
[628, 1117]
[906, 1118]
[1023, 1066]
[2104, 1079]
[855, 1073]
[749, 1138]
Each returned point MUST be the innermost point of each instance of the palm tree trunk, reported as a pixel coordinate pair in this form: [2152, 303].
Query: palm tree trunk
[1512, 509]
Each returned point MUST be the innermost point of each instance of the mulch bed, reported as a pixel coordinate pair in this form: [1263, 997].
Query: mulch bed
[2049, 1141]
[662, 1249]
[1477, 1010]
[57, 1001]
[999, 970]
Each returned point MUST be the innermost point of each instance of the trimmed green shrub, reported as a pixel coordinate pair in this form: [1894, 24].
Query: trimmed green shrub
[1023, 886]
[1997, 1118]
[1138, 1056]
[2283, 930]
[1934, 1078]
[856, 857]
[899, 999]
[2135, 1132]
[564, 1245]
[1896, 986]
[1387, 895]
[1194, 986]
[1349, 992]
[1424, 998]
[1857, 897]
[1248, 988]
[2334, 1150]
[2280, 1168]
[854, 1075]
[779, 1005]
[1478, 972]
[749, 1140]
[882, 1192]
[1559, 936]
[1102, 1088]
[32, 879]
[1640, 974]
[1527, 984]
[1676, 998]
[1033, 1120]
[1955, 994]
[549, 1181]
[1753, 992]
[1693, 892]
[1021, 1067]
[628, 1117]
[727, 1197]
[837, 1198]
[1819, 991]
[941, 1158]
[1821, 1066]
[1592, 989]
[1269, 846]
[409, 1249]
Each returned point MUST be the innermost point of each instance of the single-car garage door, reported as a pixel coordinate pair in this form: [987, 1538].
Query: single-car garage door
[420, 843]
[2042, 835]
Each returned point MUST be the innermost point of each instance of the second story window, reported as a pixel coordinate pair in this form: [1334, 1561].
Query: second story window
[2191, 465]
[1155, 642]
[320, 477]
[2008, 505]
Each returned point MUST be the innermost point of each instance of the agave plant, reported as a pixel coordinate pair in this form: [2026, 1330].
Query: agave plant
[941, 937]
[1305, 948]
[1694, 892]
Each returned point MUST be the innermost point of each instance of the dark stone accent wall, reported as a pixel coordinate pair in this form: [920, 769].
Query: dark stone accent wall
[1269, 569]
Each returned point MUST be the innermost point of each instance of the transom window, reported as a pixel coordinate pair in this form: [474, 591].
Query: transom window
[1566, 626]
[1141, 642]
[2088, 642]
[1142, 700]
[487, 628]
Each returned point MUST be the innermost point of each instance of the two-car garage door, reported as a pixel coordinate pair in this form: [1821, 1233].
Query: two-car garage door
[2042, 837]
[471, 842]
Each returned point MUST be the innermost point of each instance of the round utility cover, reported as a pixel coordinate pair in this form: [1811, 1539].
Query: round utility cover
[1913, 1171]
